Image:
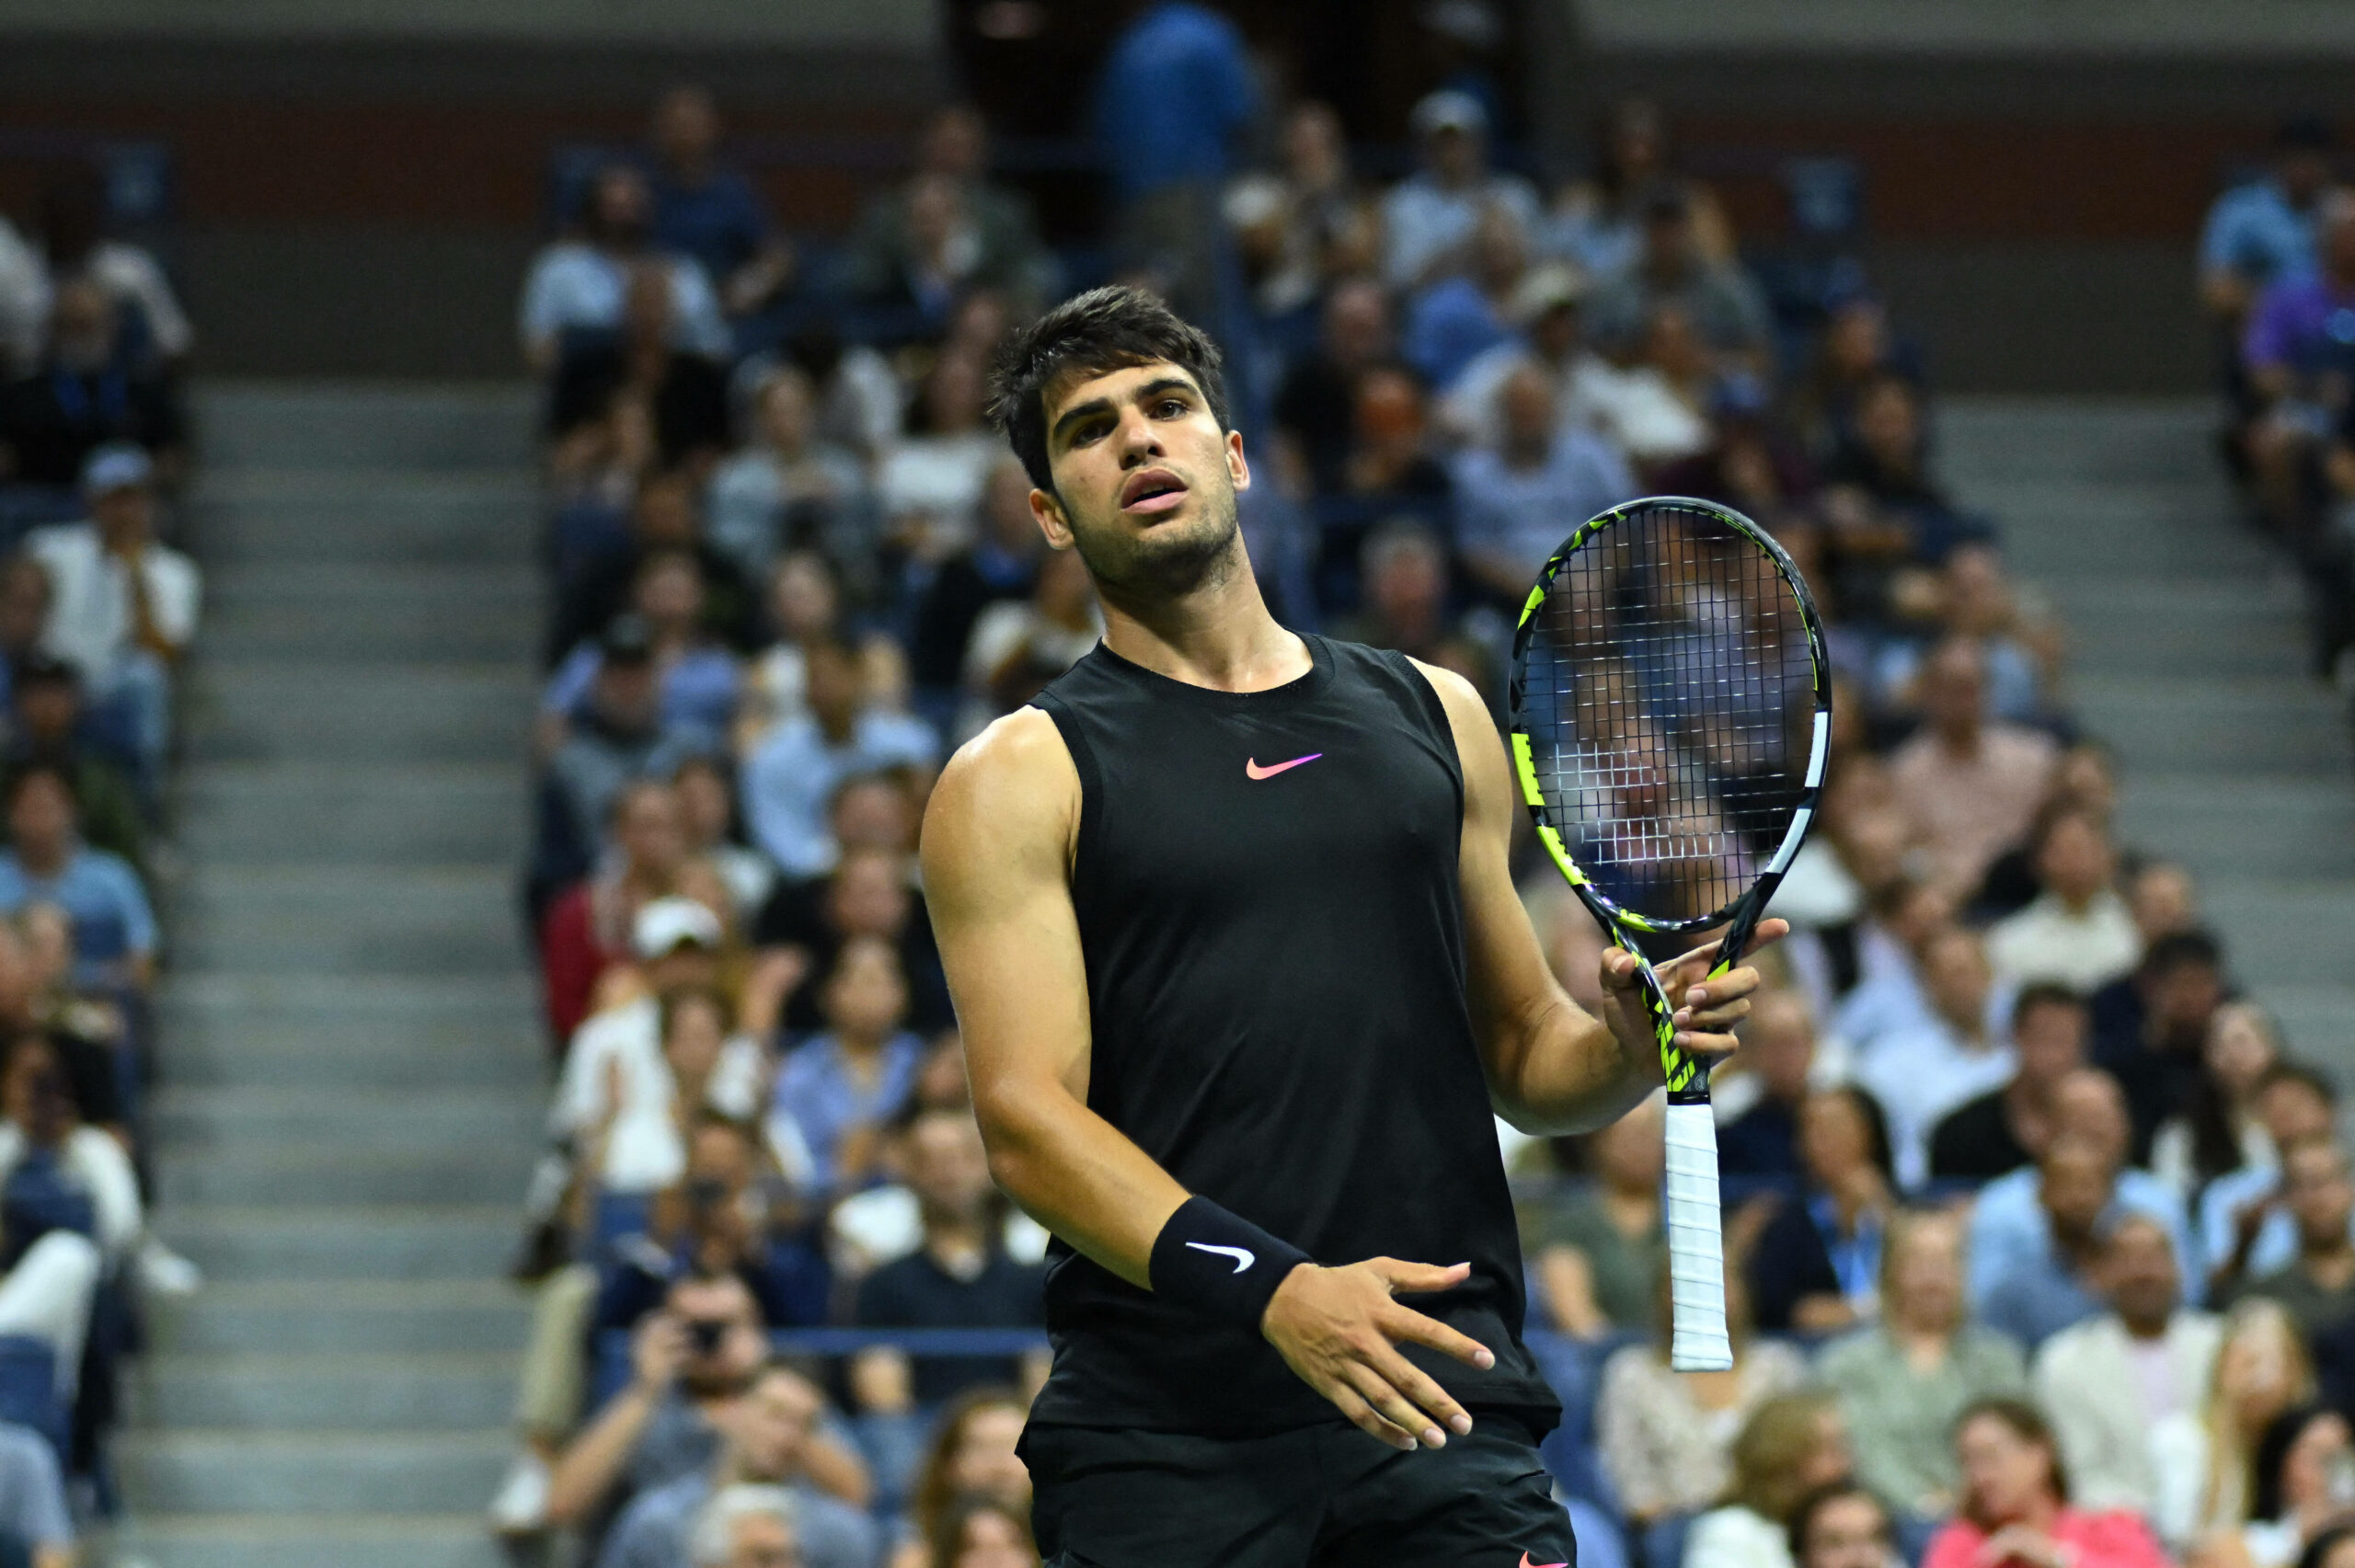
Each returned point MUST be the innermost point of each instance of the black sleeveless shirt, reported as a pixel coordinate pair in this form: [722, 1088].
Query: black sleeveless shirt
[1266, 886]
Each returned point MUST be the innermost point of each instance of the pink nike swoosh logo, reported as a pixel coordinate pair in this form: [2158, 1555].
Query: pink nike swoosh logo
[1252, 769]
[1525, 1562]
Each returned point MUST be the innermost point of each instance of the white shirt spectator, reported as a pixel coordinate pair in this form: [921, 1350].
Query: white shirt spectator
[576, 286]
[2108, 1391]
[1919, 1075]
[2084, 950]
[750, 490]
[1736, 1536]
[1640, 409]
[1514, 517]
[1423, 221]
[91, 623]
[643, 1150]
[1582, 389]
[883, 1224]
[939, 478]
[94, 1162]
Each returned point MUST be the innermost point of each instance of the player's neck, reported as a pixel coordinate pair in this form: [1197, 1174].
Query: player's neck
[1220, 636]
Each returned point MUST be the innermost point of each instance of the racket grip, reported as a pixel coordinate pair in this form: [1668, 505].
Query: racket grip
[1696, 1264]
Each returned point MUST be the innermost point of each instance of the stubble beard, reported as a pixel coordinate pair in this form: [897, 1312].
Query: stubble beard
[1168, 563]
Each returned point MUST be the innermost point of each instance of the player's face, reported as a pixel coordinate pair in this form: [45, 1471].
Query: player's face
[1145, 480]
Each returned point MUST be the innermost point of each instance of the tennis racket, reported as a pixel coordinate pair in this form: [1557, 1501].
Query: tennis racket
[1672, 708]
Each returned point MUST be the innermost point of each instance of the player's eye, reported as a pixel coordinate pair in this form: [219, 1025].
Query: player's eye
[1171, 408]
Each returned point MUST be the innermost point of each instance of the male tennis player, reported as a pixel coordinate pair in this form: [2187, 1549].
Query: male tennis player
[1242, 973]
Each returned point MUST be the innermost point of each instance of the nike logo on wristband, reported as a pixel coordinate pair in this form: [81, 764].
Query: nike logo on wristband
[1243, 1256]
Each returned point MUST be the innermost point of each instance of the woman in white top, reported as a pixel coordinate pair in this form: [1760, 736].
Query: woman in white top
[2219, 1130]
[2202, 1462]
[1790, 1446]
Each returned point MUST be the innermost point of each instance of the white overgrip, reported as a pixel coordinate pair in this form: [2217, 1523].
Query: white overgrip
[1696, 1245]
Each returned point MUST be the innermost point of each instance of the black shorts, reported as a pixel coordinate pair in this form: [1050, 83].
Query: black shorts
[1322, 1496]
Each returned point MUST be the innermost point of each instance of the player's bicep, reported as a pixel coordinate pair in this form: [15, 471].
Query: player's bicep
[996, 839]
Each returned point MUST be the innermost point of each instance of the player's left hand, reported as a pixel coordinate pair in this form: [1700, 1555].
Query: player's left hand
[1706, 1010]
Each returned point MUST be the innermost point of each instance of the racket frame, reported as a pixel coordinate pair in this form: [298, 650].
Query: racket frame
[1699, 1342]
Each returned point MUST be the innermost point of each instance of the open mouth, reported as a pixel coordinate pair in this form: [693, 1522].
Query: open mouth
[1151, 490]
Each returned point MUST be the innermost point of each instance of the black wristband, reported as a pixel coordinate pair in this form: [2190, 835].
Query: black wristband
[1227, 1266]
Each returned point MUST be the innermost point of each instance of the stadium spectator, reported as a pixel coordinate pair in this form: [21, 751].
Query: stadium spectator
[2262, 233]
[2077, 933]
[1599, 1254]
[1749, 465]
[2297, 1489]
[1779, 1046]
[24, 305]
[2111, 1381]
[2204, 1459]
[697, 681]
[948, 227]
[87, 391]
[1790, 1446]
[1316, 400]
[1853, 349]
[1301, 226]
[1512, 502]
[122, 606]
[2161, 898]
[1001, 565]
[1665, 1438]
[2317, 1285]
[47, 731]
[1408, 598]
[1430, 218]
[2034, 1232]
[1920, 1070]
[2219, 1129]
[665, 516]
[1841, 1524]
[972, 1459]
[778, 1436]
[843, 1087]
[114, 936]
[1547, 313]
[75, 245]
[870, 892]
[577, 287]
[24, 611]
[2244, 1226]
[1175, 95]
[786, 487]
[2297, 366]
[1816, 1264]
[35, 1516]
[2153, 1039]
[1901, 1382]
[1455, 320]
[2016, 1504]
[1969, 787]
[36, 996]
[707, 212]
[686, 392]
[788, 780]
[747, 1526]
[2006, 1129]
[1724, 307]
[1018, 646]
[930, 486]
[58, 1235]
[982, 1532]
[1598, 221]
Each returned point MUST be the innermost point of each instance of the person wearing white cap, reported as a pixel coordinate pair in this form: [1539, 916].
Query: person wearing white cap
[124, 607]
[1430, 216]
[614, 1074]
[1549, 334]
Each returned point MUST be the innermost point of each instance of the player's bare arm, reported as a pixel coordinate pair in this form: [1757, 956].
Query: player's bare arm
[997, 846]
[1552, 1066]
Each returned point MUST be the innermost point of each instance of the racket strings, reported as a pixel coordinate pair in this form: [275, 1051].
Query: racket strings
[1664, 681]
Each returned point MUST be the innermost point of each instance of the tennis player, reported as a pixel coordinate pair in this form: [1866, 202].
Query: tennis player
[1242, 976]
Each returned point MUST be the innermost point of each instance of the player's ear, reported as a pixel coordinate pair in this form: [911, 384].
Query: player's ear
[1237, 469]
[1048, 512]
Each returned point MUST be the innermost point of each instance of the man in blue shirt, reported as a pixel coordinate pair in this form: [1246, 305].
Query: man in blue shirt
[114, 928]
[2261, 233]
[1516, 504]
[1176, 90]
[710, 212]
[788, 780]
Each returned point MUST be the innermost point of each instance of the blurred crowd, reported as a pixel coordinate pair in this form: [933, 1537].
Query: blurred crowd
[2277, 279]
[96, 612]
[2040, 1240]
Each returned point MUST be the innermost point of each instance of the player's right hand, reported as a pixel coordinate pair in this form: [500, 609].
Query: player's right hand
[1339, 1330]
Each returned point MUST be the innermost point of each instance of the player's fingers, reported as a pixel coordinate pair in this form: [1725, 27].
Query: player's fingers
[1714, 1020]
[1393, 1408]
[1409, 1278]
[1365, 1418]
[1404, 1324]
[1420, 1390]
[1768, 932]
[1619, 968]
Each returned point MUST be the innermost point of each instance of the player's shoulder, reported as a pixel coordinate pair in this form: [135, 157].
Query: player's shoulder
[1014, 777]
[1462, 700]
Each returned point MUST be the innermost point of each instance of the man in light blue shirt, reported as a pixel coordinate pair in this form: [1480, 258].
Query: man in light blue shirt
[580, 284]
[2296, 1104]
[1516, 504]
[2262, 234]
[1427, 218]
[788, 782]
[47, 862]
[2015, 1266]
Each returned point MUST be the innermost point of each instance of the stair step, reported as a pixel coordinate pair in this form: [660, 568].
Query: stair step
[456, 1539]
[196, 1471]
[435, 812]
[2278, 826]
[2186, 723]
[188, 1120]
[2286, 931]
[344, 1242]
[442, 920]
[366, 425]
[322, 1317]
[424, 1392]
[328, 712]
[283, 517]
[313, 1172]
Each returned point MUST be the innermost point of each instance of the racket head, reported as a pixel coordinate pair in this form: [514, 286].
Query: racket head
[1670, 706]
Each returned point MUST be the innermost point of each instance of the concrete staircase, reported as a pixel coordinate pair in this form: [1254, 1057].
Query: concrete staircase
[351, 1059]
[2187, 658]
